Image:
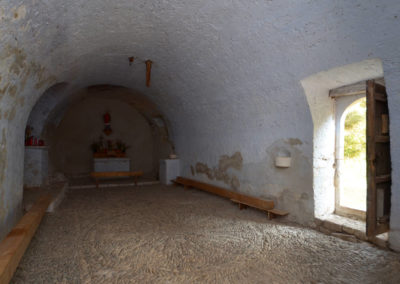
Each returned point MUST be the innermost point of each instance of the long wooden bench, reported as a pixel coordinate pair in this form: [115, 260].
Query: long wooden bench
[271, 213]
[13, 247]
[242, 199]
[276, 213]
[98, 175]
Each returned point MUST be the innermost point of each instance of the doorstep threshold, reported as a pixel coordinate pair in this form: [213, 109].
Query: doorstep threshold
[338, 223]
[333, 223]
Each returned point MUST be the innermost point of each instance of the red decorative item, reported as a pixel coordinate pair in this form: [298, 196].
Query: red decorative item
[107, 125]
[107, 117]
[30, 141]
[35, 142]
[41, 142]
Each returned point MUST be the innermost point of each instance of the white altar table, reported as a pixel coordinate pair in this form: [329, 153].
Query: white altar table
[111, 164]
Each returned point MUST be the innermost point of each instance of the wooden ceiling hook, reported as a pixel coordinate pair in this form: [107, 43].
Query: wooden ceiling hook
[148, 72]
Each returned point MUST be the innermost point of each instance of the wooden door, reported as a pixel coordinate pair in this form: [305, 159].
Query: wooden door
[378, 160]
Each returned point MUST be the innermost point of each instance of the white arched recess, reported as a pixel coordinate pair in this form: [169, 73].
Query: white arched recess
[322, 108]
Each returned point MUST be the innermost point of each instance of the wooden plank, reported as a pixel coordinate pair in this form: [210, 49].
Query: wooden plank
[245, 199]
[380, 97]
[382, 139]
[278, 212]
[385, 124]
[97, 175]
[353, 89]
[13, 247]
[206, 187]
[378, 160]
[383, 178]
[350, 90]
[148, 72]
[116, 174]
[241, 205]
[262, 204]
[382, 228]
[379, 88]
[371, 171]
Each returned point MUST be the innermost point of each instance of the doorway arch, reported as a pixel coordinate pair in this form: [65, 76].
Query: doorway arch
[322, 107]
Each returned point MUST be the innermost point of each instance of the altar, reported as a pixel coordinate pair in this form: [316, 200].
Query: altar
[111, 164]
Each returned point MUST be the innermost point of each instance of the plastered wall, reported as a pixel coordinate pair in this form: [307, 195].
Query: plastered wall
[59, 100]
[82, 124]
[226, 74]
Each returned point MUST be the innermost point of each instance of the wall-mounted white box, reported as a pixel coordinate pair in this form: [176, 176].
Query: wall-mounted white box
[283, 162]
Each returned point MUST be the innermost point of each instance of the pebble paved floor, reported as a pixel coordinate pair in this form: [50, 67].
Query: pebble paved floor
[158, 234]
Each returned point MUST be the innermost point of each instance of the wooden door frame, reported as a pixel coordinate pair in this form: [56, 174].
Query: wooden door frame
[357, 89]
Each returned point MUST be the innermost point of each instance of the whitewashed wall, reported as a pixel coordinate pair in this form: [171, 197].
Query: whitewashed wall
[226, 74]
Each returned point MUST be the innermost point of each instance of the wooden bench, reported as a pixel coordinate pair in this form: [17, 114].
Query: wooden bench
[242, 199]
[13, 247]
[276, 213]
[271, 213]
[98, 175]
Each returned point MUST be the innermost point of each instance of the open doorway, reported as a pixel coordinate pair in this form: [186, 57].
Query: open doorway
[329, 94]
[362, 154]
[350, 154]
[352, 186]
